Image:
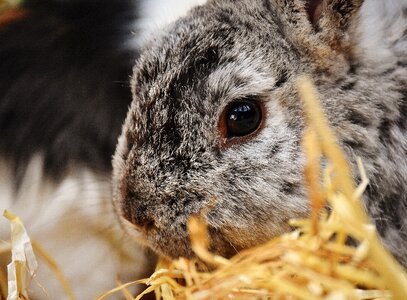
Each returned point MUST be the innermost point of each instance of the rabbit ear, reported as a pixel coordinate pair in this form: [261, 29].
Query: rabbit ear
[329, 18]
[314, 10]
[322, 29]
[331, 14]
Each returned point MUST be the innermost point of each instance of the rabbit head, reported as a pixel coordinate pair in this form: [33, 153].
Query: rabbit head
[216, 121]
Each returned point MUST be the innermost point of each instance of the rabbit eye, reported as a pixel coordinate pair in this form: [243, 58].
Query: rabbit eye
[240, 120]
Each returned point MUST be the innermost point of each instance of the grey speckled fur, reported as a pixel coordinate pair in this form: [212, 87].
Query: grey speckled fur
[170, 164]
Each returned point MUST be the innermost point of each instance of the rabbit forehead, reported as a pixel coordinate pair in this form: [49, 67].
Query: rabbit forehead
[212, 35]
[205, 60]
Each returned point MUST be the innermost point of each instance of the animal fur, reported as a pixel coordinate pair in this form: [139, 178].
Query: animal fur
[170, 163]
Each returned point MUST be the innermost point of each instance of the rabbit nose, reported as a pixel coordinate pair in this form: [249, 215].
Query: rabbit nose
[138, 214]
[140, 220]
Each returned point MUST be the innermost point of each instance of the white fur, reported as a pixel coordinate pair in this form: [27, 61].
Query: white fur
[382, 24]
[74, 222]
[156, 14]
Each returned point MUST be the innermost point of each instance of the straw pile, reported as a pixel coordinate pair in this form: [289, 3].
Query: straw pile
[314, 261]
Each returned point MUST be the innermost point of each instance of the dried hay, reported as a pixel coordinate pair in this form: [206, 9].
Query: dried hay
[23, 266]
[312, 262]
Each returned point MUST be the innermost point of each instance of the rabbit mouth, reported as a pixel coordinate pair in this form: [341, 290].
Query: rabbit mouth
[168, 245]
[167, 240]
[175, 242]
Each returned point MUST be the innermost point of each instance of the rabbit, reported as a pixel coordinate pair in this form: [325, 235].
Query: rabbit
[216, 121]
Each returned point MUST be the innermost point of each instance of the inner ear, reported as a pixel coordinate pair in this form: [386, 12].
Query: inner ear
[314, 10]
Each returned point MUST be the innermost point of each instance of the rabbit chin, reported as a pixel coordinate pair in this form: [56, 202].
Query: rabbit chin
[174, 247]
[173, 241]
